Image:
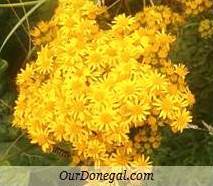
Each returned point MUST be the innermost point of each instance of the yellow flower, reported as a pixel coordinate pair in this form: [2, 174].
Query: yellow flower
[166, 106]
[45, 60]
[43, 27]
[99, 94]
[74, 131]
[120, 158]
[58, 129]
[120, 135]
[122, 23]
[93, 88]
[181, 120]
[128, 90]
[42, 138]
[142, 162]
[141, 39]
[104, 119]
[25, 75]
[95, 150]
[94, 59]
[78, 107]
[181, 70]
[156, 81]
[93, 10]
[138, 111]
[74, 86]
[189, 97]
[173, 90]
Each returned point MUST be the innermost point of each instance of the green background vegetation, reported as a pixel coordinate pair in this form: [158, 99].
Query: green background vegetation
[192, 147]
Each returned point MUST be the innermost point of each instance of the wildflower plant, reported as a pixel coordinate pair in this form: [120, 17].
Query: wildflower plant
[103, 92]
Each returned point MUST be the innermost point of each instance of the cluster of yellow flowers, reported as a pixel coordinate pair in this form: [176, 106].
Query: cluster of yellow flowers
[206, 28]
[194, 7]
[146, 139]
[105, 92]
[159, 17]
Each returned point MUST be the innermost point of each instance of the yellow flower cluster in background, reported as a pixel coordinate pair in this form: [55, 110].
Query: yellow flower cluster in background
[104, 92]
[206, 28]
[159, 17]
[194, 7]
[146, 139]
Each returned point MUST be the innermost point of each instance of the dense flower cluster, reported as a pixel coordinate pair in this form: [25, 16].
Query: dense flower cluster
[206, 28]
[159, 17]
[105, 92]
[146, 138]
[194, 7]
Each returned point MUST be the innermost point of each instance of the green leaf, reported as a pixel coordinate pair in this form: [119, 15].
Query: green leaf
[3, 66]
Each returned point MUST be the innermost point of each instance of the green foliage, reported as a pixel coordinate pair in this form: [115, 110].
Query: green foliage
[3, 80]
[197, 54]
[192, 147]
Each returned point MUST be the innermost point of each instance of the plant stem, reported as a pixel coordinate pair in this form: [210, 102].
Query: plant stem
[113, 4]
[39, 3]
[11, 146]
[30, 3]
[151, 2]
